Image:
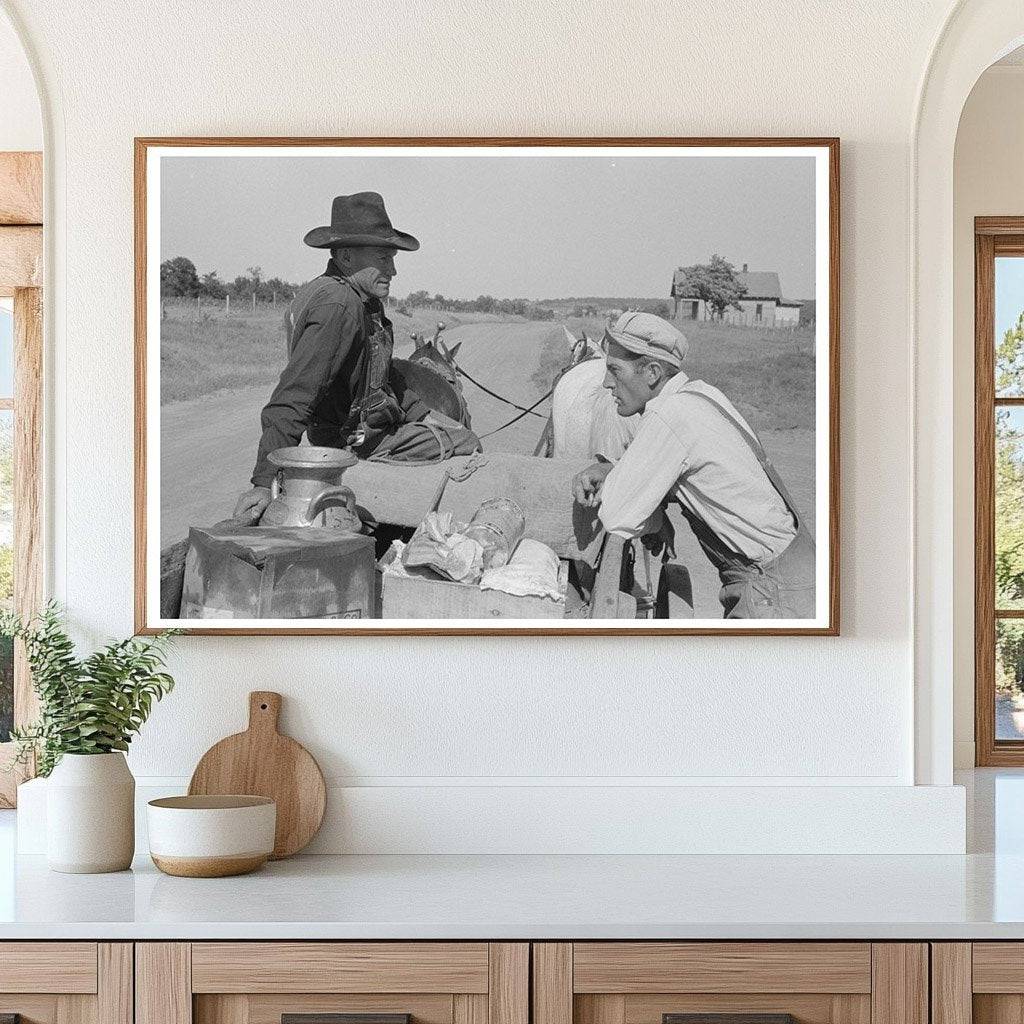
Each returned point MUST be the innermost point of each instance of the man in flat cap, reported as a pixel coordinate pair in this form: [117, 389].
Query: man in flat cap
[694, 448]
[337, 386]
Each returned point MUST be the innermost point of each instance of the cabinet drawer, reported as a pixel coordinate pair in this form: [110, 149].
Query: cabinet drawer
[48, 967]
[260, 982]
[340, 967]
[634, 967]
[738, 982]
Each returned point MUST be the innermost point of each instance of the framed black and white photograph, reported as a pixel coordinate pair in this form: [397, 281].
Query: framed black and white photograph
[542, 386]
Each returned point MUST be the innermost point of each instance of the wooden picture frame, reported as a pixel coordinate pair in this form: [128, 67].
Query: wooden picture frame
[605, 594]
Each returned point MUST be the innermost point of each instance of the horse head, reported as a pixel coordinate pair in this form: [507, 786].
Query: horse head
[580, 349]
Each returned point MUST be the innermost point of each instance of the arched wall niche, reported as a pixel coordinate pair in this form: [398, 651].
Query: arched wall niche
[976, 34]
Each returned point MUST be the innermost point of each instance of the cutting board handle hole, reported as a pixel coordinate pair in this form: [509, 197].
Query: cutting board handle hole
[263, 707]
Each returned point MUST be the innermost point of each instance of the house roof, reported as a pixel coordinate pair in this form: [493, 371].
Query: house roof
[760, 284]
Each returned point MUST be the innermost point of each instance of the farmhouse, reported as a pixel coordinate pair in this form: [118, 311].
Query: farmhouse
[762, 302]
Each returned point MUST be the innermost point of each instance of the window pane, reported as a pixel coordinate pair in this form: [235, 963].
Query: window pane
[1009, 512]
[1009, 679]
[6, 567]
[6, 348]
[1009, 325]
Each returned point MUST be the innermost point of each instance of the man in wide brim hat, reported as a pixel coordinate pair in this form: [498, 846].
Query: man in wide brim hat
[337, 386]
[359, 221]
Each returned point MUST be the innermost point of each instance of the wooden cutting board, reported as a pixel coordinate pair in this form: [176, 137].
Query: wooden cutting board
[262, 762]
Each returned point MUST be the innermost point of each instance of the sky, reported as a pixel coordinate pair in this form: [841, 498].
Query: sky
[1009, 293]
[535, 226]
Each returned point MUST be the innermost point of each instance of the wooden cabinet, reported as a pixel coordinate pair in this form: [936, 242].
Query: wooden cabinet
[650, 982]
[66, 982]
[980, 982]
[494, 983]
[260, 982]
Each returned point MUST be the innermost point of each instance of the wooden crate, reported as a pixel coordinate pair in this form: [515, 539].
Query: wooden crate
[430, 597]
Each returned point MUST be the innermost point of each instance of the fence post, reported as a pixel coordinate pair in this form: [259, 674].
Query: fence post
[227, 302]
[254, 302]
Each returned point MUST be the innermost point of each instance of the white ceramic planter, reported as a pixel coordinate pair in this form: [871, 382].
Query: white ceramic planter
[90, 814]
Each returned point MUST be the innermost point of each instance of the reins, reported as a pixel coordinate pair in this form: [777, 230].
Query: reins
[472, 380]
[516, 419]
[523, 410]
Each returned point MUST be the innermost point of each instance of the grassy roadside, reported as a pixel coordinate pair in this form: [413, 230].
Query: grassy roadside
[205, 350]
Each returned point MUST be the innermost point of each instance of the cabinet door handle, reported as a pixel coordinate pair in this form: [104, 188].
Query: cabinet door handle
[728, 1018]
[339, 1018]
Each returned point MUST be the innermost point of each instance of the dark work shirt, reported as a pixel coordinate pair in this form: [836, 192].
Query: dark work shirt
[327, 324]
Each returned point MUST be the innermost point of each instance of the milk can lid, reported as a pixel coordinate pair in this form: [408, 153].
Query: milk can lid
[308, 456]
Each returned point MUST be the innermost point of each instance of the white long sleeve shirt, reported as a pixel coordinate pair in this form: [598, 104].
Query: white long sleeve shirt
[687, 450]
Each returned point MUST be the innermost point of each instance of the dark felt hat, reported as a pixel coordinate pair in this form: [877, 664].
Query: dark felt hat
[359, 220]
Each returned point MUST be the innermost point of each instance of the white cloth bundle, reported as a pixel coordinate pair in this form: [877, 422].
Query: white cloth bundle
[531, 572]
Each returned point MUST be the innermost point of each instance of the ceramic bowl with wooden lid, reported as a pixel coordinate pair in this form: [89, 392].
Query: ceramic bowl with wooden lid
[211, 836]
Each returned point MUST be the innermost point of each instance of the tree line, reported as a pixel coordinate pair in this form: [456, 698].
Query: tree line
[714, 282]
[180, 279]
[481, 304]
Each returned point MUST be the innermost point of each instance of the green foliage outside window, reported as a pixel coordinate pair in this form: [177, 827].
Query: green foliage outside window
[1009, 508]
[6, 575]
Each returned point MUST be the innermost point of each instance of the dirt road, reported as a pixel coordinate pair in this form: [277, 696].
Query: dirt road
[208, 444]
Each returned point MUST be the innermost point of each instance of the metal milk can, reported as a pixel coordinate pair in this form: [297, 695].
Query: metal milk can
[307, 489]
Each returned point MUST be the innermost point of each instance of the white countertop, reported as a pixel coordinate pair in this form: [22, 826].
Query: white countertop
[978, 896]
[532, 897]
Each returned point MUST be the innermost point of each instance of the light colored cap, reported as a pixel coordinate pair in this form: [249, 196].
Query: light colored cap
[648, 335]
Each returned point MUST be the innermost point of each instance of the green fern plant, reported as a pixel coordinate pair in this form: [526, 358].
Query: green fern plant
[91, 705]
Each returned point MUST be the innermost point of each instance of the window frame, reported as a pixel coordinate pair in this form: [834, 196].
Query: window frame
[993, 237]
[21, 260]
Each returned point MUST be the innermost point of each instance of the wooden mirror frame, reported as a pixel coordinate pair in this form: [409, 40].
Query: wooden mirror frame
[21, 277]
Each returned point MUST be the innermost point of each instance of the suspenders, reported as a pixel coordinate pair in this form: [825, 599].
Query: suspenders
[756, 447]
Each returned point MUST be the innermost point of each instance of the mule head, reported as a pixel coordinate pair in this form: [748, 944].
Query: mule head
[436, 352]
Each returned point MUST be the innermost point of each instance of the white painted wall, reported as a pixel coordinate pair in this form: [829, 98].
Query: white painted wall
[443, 714]
[988, 180]
[21, 125]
